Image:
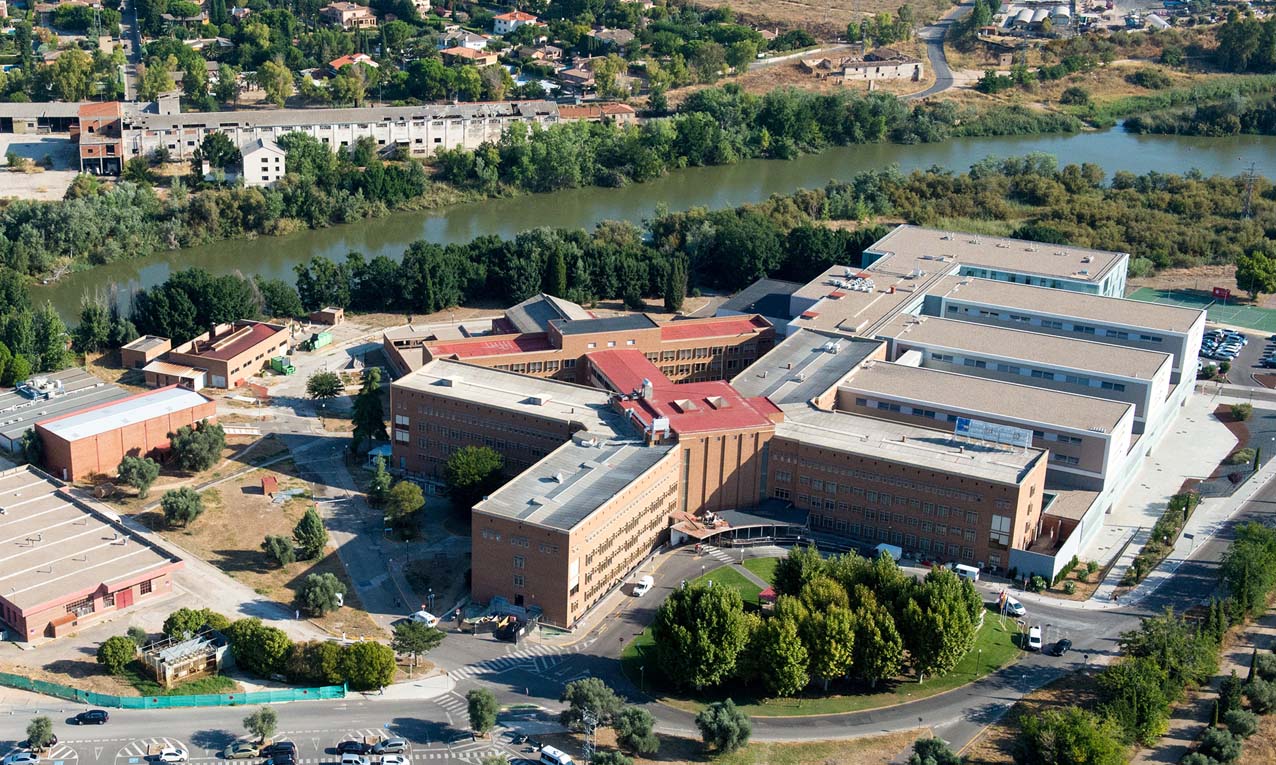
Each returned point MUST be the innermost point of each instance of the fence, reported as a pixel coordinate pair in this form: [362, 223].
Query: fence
[168, 702]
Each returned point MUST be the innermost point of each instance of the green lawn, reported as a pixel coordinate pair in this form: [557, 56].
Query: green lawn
[998, 649]
[763, 567]
[137, 676]
[729, 577]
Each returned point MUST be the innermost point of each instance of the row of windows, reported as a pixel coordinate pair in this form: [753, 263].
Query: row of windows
[1036, 374]
[1083, 329]
[889, 480]
[909, 542]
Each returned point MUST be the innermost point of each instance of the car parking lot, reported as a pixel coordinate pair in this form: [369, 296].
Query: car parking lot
[1247, 360]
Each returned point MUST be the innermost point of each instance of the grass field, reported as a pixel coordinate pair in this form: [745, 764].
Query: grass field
[1248, 316]
[763, 567]
[994, 647]
[729, 577]
[137, 676]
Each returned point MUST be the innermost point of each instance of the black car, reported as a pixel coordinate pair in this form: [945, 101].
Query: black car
[281, 759]
[353, 747]
[280, 749]
[53, 741]
[92, 717]
[1062, 647]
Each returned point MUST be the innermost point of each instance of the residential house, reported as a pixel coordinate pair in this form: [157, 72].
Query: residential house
[204, 43]
[349, 16]
[264, 163]
[541, 53]
[350, 60]
[479, 58]
[611, 113]
[239, 14]
[100, 137]
[577, 78]
[883, 64]
[508, 22]
[612, 38]
[455, 37]
[187, 22]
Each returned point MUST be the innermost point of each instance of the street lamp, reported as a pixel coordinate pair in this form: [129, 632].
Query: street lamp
[642, 678]
[429, 598]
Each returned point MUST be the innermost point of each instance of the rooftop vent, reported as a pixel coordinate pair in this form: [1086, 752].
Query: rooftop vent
[540, 400]
[718, 402]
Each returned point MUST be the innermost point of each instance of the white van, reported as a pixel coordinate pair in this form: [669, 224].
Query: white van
[967, 572]
[1034, 639]
[1014, 607]
[643, 586]
[552, 756]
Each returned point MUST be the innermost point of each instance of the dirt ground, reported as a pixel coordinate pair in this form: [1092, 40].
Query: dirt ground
[993, 745]
[823, 18]
[1198, 277]
[229, 533]
[875, 750]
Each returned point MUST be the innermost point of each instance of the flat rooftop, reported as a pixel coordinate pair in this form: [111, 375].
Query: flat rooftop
[905, 444]
[852, 300]
[804, 366]
[1024, 346]
[53, 546]
[574, 481]
[514, 392]
[535, 313]
[80, 389]
[626, 323]
[492, 345]
[924, 248]
[768, 297]
[146, 343]
[1067, 304]
[724, 326]
[986, 399]
[126, 411]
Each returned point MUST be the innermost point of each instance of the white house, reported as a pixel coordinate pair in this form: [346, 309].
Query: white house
[508, 22]
[264, 163]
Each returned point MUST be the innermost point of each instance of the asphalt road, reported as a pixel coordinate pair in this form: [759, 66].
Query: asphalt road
[933, 36]
[536, 674]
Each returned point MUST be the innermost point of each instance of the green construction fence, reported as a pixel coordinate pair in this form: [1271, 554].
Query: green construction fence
[169, 702]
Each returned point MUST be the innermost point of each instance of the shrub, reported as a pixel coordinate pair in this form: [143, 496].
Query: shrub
[1037, 583]
[1152, 79]
[1242, 412]
[1225, 367]
[634, 731]
[1229, 694]
[116, 652]
[279, 549]
[723, 726]
[1070, 588]
[138, 635]
[1075, 96]
[1220, 745]
[1265, 666]
[1261, 695]
[1240, 457]
[181, 506]
[1196, 758]
[1241, 722]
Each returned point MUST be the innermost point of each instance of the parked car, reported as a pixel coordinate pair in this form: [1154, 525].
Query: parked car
[241, 750]
[281, 759]
[92, 717]
[353, 747]
[643, 586]
[1062, 647]
[21, 758]
[1014, 607]
[280, 748]
[395, 745]
[1034, 639]
[425, 617]
[394, 759]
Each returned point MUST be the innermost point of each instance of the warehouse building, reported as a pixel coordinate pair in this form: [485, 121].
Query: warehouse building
[231, 353]
[50, 395]
[65, 564]
[143, 351]
[92, 441]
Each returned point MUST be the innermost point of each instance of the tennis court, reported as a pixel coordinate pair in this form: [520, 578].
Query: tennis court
[1250, 317]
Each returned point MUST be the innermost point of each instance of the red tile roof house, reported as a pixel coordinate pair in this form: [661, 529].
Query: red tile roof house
[69, 564]
[508, 22]
[232, 352]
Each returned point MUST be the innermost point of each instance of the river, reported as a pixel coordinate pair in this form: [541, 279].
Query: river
[713, 187]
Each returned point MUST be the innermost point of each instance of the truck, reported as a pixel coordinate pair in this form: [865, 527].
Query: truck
[316, 341]
[282, 366]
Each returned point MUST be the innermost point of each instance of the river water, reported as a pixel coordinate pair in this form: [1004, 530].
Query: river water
[713, 187]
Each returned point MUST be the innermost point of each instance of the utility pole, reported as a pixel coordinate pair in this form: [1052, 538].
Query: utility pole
[1249, 189]
[591, 724]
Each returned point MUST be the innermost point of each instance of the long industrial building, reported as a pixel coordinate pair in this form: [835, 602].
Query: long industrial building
[970, 400]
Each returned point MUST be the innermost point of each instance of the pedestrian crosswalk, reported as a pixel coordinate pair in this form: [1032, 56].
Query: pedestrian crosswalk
[136, 751]
[717, 554]
[533, 658]
[453, 703]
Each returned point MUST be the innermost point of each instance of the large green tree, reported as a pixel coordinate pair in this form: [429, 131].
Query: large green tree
[801, 565]
[938, 624]
[1256, 271]
[471, 473]
[589, 696]
[878, 648]
[415, 638]
[1133, 694]
[1068, 736]
[259, 648]
[829, 636]
[116, 652]
[368, 416]
[310, 534]
[699, 633]
[138, 472]
[367, 665]
[779, 656]
[198, 448]
[181, 506]
[483, 708]
[323, 385]
[321, 593]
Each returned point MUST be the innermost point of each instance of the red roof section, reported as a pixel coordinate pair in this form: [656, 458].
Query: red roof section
[515, 16]
[258, 333]
[498, 345]
[690, 407]
[727, 326]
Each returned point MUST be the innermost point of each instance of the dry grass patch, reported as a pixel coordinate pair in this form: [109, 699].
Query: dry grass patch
[823, 18]
[871, 750]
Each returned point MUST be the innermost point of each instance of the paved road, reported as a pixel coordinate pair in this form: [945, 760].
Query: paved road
[536, 673]
[933, 36]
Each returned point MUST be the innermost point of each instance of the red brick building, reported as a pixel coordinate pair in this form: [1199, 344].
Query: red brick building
[230, 353]
[94, 440]
[101, 138]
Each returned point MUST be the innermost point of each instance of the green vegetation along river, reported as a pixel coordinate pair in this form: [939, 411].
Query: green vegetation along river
[712, 187]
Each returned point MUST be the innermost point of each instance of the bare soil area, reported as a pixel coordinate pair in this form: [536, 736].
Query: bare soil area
[823, 18]
[874, 750]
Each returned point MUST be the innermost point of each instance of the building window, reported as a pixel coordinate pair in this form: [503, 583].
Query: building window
[519, 561]
[145, 589]
[109, 600]
[1000, 532]
[80, 607]
[781, 493]
[518, 580]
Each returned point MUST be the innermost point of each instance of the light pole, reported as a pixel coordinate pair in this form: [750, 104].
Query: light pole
[642, 678]
[429, 598]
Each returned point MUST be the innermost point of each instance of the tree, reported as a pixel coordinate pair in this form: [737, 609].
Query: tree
[279, 549]
[186, 622]
[137, 170]
[258, 648]
[321, 593]
[198, 448]
[779, 656]
[310, 534]
[30, 445]
[404, 500]
[1075, 96]
[1220, 745]
[675, 286]
[1069, 736]
[699, 633]
[50, 338]
[1256, 271]
[415, 638]
[115, 653]
[588, 696]
[933, 751]
[262, 723]
[279, 298]
[1241, 722]
[471, 473]
[219, 151]
[1133, 694]
[878, 648]
[800, 566]
[829, 636]
[379, 484]
[275, 78]
[324, 385]
[94, 328]
[367, 665]
[138, 472]
[556, 274]
[181, 506]
[1186, 655]
[368, 417]
[939, 623]
[483, 709]
[138, 635]
[39, 732]
[606, 757]
[1249, 566]
[634, 731]
[723, 726]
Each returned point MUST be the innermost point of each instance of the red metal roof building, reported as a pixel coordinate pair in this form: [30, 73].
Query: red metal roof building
[232, 352]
